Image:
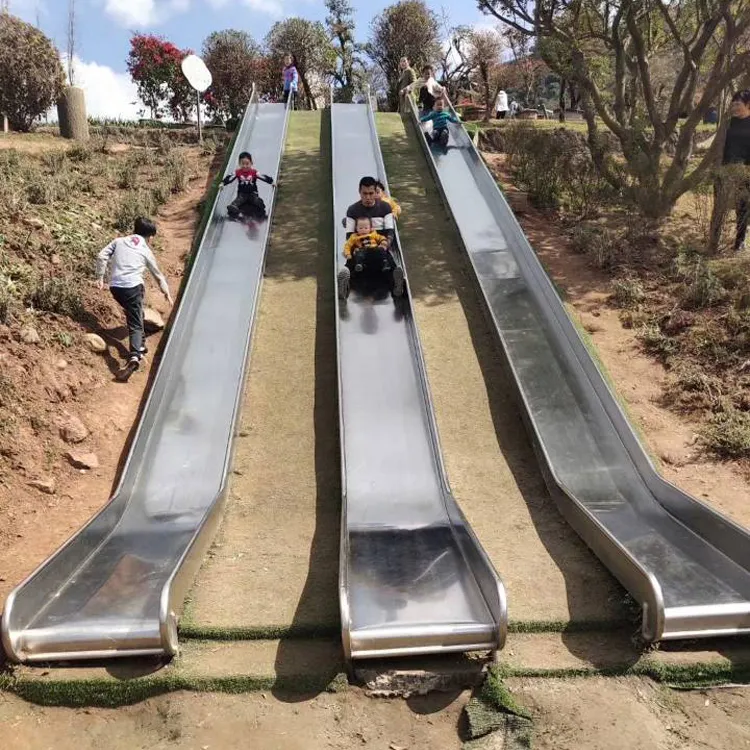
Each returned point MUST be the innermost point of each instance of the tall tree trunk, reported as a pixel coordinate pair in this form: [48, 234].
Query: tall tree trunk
[308, 93]
[71, 111]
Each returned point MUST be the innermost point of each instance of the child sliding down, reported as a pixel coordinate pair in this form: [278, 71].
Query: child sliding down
[366, 252]
[248, 202]
[440, 118]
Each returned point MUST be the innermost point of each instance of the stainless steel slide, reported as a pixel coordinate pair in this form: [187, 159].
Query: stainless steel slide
[413, 577]
[687, 565]
[117, 587]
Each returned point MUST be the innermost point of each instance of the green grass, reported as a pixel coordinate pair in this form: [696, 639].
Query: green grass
[195, 632]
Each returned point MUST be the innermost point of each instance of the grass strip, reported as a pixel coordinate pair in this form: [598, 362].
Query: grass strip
[562, 626]
[193, 632]
[111, 693]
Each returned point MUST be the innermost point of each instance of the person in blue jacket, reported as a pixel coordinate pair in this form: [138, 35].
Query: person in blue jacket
[291, 77]
[440, 117]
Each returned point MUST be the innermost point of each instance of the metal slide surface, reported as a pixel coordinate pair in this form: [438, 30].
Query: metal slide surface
[687, 565]
[413, 577]
[115, 588]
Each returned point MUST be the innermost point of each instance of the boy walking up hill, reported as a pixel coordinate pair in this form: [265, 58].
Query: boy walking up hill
[127, 259]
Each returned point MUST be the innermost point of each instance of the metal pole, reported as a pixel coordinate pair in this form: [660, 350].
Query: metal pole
[200, 130]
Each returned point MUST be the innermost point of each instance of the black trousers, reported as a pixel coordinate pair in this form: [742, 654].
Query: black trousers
[287, 92]
[130, 300]
[743, 214]
[373, 261]
[250, 205]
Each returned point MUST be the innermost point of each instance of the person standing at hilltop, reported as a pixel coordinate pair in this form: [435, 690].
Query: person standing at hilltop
[737, 151]
[406, 78]
[291, 78]
[501, 105]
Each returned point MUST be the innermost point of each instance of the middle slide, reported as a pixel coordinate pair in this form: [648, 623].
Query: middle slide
[413, 577]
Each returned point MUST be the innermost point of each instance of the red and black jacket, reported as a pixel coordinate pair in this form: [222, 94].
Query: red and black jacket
[247, 180]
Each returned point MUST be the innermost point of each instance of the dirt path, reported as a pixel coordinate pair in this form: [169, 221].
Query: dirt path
[217, 722]
[42, 523]
[639, 379]
[275, 562]
[491, 465]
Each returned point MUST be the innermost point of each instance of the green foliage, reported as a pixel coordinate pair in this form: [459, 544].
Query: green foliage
[56, 295]
[627, 293]
[176, 171]
[136, 203]
[556, 168]
[406, 29]
[347, 68]
[702, 287]
[31, 75]
[232, 56]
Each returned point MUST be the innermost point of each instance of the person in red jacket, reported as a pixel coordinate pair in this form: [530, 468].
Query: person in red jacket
[248, 202]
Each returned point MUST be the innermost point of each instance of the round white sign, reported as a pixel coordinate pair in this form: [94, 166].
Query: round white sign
[196, 72]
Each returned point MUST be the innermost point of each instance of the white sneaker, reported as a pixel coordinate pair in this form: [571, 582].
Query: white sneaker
[398, 281]
[343, 283]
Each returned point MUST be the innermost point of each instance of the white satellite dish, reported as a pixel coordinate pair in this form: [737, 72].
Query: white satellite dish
[198, 75]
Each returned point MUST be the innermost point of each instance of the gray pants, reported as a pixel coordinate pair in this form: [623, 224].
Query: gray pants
[130, 299]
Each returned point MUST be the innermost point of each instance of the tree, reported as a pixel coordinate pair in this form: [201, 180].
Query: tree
[308, 44]
[485, 55]
[154, 66]
[232, 57]
[31, 74]
[408, 28]
[528, 69]
[347, 69]
[456, 65]
[609, 50]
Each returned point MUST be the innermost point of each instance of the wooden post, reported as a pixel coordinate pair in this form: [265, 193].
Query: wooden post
[200, 128]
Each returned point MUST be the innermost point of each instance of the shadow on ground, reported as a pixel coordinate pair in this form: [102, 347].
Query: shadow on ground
[302, 246]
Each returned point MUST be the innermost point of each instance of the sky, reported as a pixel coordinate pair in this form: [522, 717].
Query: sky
[104, 29]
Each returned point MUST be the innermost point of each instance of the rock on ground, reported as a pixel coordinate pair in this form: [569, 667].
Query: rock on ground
[83, 460]
[46, 485]
[152, 320]
[30, 335]
[96, 343]
[73, 430]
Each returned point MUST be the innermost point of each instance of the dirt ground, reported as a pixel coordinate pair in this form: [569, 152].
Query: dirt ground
[210, 721]
[34, 524]
[639, 379]
[572, 714]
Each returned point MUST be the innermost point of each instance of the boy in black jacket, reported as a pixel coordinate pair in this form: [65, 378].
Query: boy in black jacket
[247, 202]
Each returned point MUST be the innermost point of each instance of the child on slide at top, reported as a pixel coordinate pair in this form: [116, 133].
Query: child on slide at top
[440, 117]
[390, 200]
[247, 202]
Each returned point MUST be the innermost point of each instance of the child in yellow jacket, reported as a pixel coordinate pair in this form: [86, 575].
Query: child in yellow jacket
[366, 245]
[390, 200]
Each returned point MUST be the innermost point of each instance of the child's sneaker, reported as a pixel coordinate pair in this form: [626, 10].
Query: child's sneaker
[342, 281]
[443, 138]
[132, 366]
[398, 281]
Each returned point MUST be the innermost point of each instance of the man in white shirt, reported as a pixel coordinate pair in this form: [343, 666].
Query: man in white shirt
[128, 258]
[501, 105]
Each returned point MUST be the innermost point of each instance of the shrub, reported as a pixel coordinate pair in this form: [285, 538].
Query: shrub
[702, 287]
[53, 160]
[176, 168]
[556, 168]
[627, 293]
[727, 434]
[655, 342]
[603, 247]
[128, 176]
[42, 191]
[56, 295]
[80, 153]
[135, 204]
[31, 74]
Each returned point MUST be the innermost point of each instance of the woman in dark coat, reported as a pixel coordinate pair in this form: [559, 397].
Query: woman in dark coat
[737, 151]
